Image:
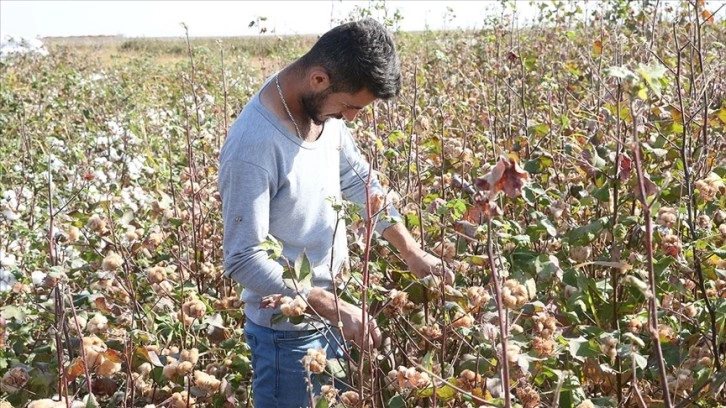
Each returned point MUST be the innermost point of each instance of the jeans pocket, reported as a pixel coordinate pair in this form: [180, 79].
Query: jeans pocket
[251, 339]
[298, 338]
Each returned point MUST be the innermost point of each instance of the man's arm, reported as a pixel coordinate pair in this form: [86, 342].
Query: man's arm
[420, 262]
[245, 192]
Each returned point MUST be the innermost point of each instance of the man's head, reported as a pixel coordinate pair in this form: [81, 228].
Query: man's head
[358, 56]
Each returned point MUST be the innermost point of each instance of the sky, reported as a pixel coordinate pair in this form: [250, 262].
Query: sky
[32, 19]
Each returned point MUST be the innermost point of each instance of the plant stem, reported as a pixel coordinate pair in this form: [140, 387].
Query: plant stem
[653, 295]
[502, 316]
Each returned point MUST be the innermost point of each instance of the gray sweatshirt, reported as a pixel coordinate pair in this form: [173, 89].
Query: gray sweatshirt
[273, 183]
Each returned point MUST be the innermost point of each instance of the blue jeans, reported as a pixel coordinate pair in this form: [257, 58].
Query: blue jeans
[279, 379]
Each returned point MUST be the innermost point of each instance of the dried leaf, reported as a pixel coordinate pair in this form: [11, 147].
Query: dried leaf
[649, 187]
[149, 356]
[75, 369]
[489, 209]
[626, 167]
[597, 48]
[113, 355]
[505, 176]
[512, 57]
[707, 16]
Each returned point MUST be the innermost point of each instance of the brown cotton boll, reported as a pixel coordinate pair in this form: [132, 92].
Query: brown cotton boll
[690, 311]
[667, 217]
[14, 379]
[512, 352]
[315, 361]
[191, 355]
[417, 380]
[130, 234]
[462, 320]
[672, 245]
[447, 250]
[703, 222]
[586, 404]
[108, 367]
[432, 332]
[510, 302]
[206, 382]
[528, 396]
[705, 361]
[581, 254]
[156, 274]
[478, 296]
[75, 322]
[144, 369]
[155, 239]
[93, 348]
[181, 400]
[184, 367]
[329, 392]
[170, 370]
[112, 262]
[706, 191]
[294, 308]
[96, 224]
[97, 324]
[73, 234]
[544, 347]
[350, 399]
[194, 308]
[398, 299]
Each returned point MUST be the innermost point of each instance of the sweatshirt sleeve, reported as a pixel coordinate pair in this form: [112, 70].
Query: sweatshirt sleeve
[246, 190]
[353, 177]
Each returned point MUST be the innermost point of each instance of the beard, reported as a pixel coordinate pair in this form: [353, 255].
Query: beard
[312, 104]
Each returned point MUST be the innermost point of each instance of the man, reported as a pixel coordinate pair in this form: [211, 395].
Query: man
[286, 156]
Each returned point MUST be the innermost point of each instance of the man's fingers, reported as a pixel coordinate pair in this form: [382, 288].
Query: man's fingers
[375, 334]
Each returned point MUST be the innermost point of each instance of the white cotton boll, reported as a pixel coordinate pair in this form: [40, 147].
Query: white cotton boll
[113, 155]
[10, 215]
[7, 280]
[103, 141]
[9, 195]
[6, 259]
[117, 131]
[56, 163]
[38, 277]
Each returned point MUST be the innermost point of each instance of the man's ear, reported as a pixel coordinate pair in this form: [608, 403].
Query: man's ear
[319, 79]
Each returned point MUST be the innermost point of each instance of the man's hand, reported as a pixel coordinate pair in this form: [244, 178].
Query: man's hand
[423, 264]
[420, 262]
[350, 320]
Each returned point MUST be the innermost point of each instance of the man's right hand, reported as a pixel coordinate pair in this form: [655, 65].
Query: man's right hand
[347, 317]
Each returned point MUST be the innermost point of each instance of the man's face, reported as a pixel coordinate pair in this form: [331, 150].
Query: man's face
[323, 105]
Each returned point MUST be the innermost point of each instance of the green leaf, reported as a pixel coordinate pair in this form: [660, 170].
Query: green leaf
[303, 270]
[13, 312]
[584, 235]
[580, 348]
[548, 267]
[396, 136]
[91, 402]
[640, 361]
[396, 401]
[538, 165]
[549, 227]
[540, 130]
[271, 244]
[620, 72]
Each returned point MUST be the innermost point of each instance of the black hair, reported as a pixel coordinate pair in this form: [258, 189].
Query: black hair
[357, 55]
